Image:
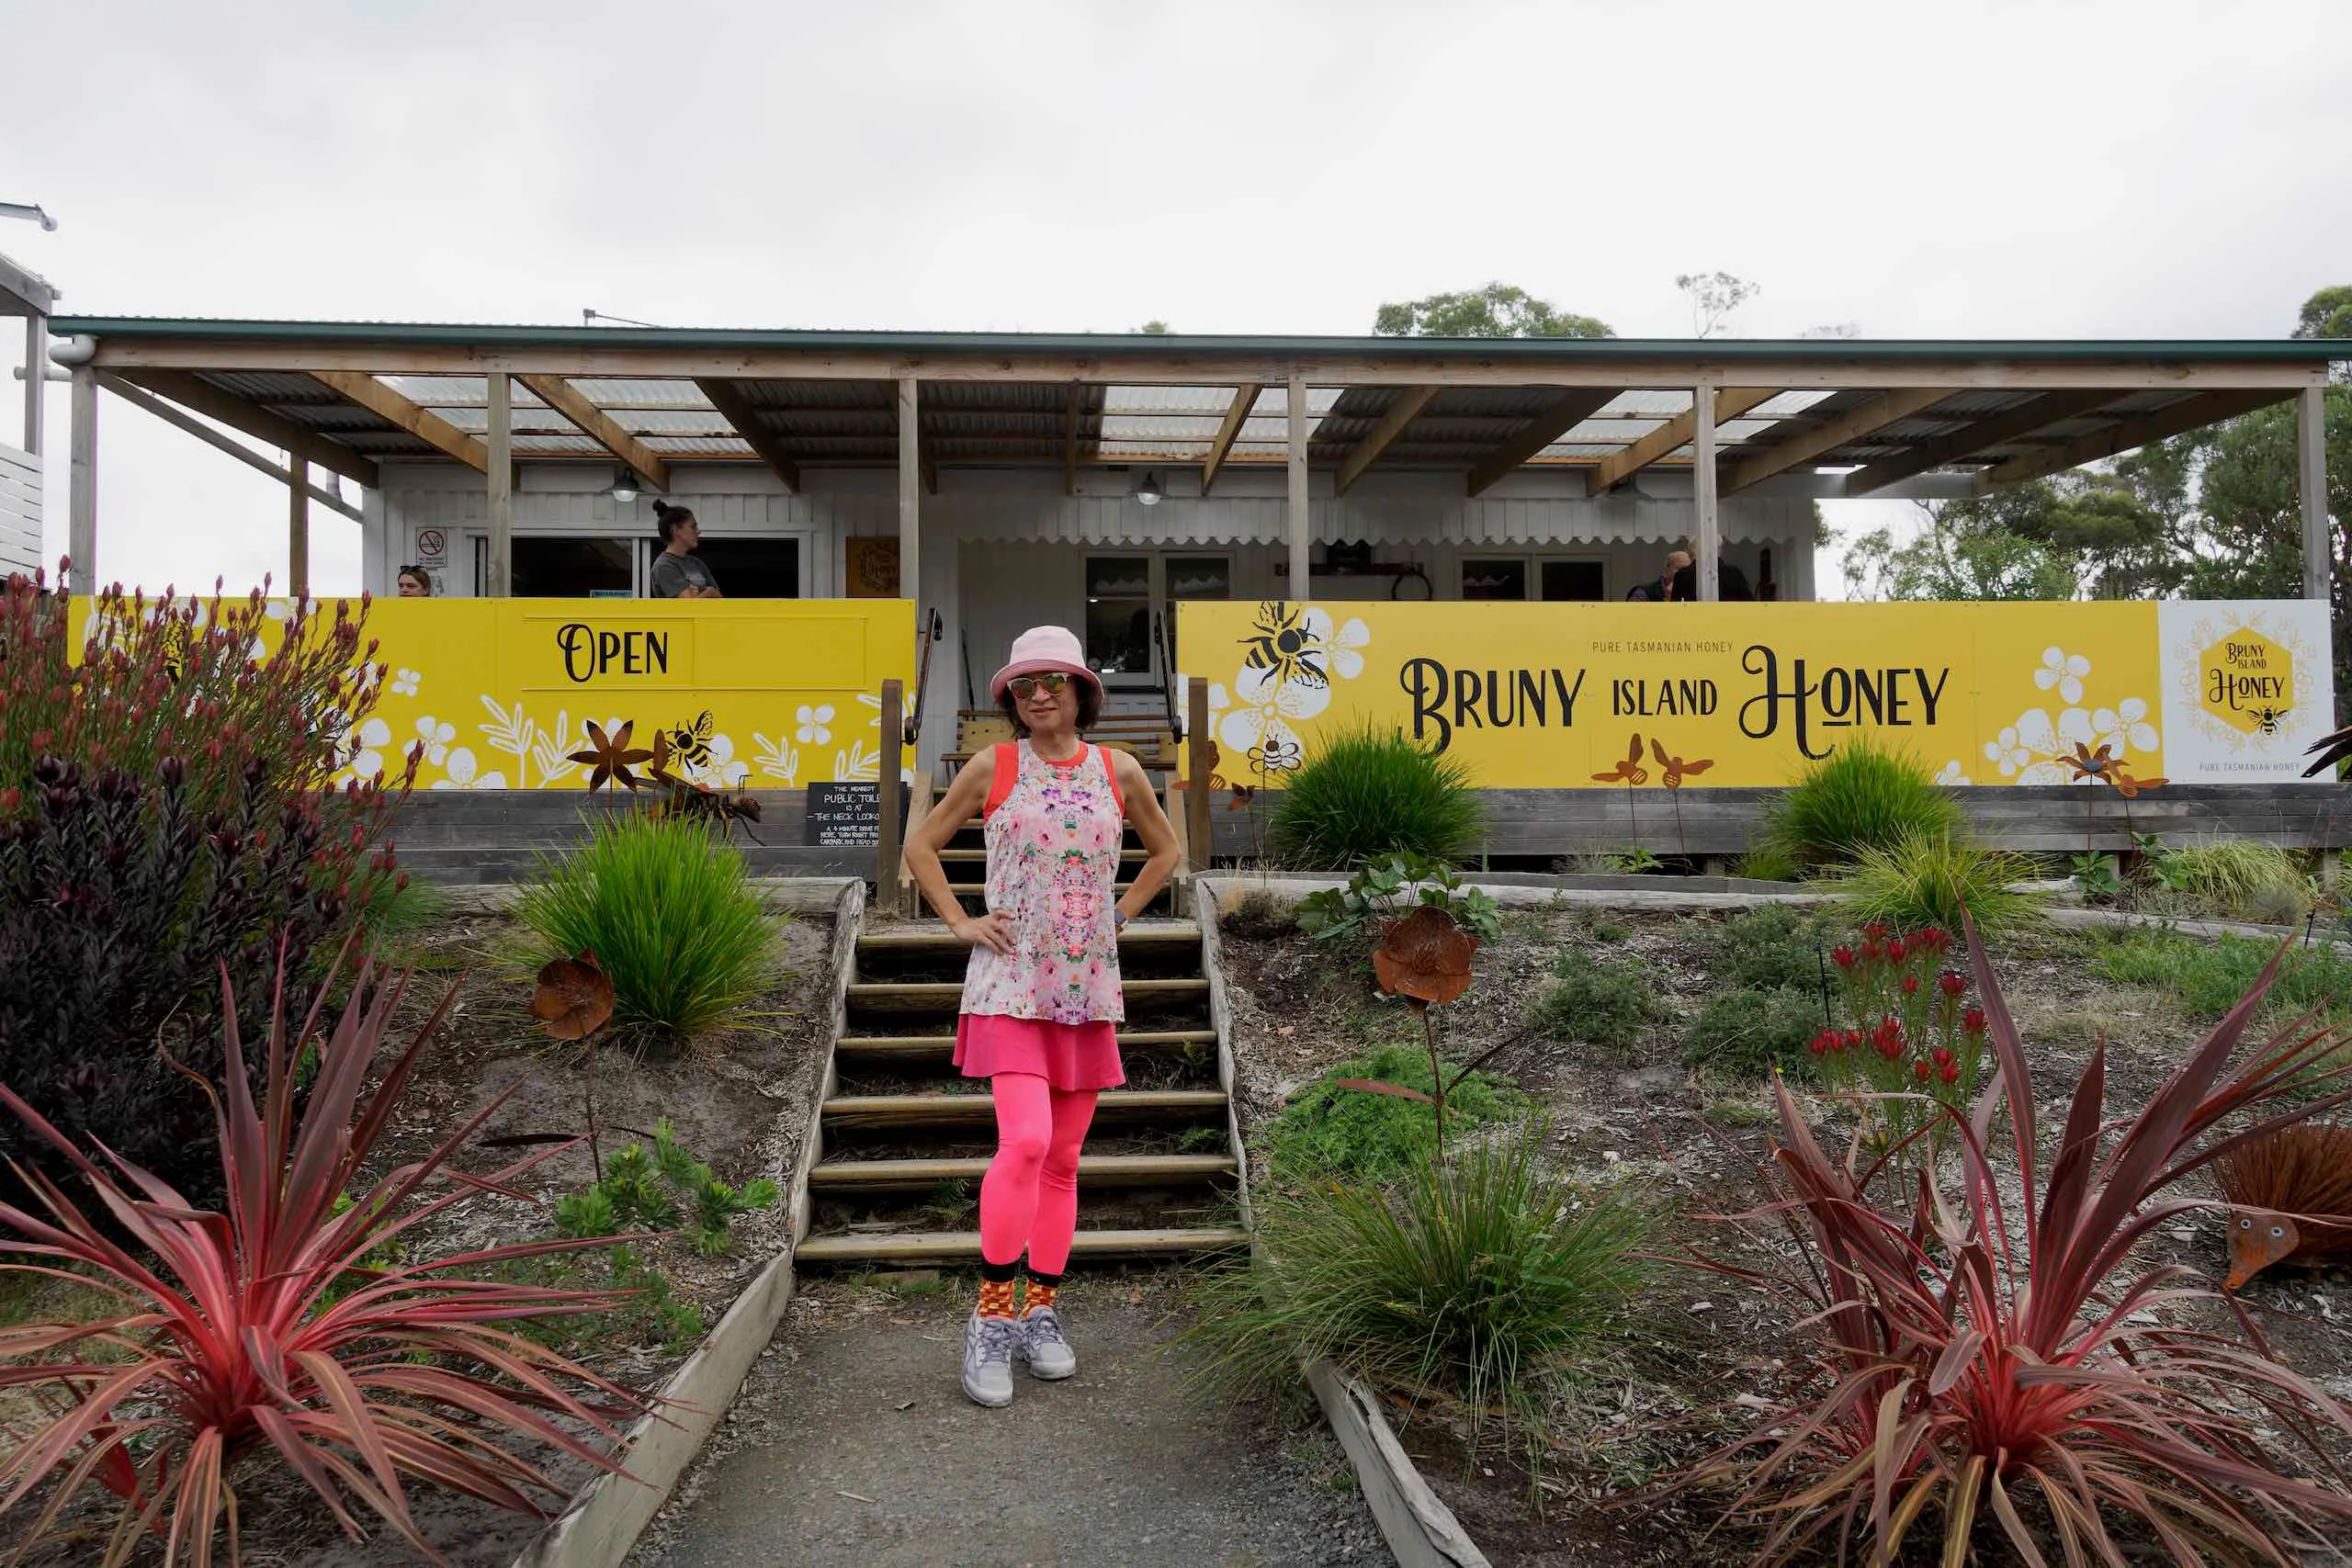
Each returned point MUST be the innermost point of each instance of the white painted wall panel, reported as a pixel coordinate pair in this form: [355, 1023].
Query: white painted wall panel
[20, 488]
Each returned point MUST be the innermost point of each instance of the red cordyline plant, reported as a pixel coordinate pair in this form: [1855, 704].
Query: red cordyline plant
[1978, 1360]
[267, 1329]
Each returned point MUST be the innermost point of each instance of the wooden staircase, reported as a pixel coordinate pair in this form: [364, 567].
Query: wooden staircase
[904, 1139]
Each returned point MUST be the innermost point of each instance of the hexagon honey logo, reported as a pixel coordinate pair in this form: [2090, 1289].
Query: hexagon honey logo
[2248, 681]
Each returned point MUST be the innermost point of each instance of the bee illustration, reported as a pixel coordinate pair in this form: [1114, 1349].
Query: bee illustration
[2269, 720]
[1286, 647]
[691, 741]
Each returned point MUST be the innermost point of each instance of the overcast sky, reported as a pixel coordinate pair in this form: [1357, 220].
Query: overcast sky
[1959, 168]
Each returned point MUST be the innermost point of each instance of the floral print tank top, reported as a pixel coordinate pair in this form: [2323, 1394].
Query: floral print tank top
[1054, 836]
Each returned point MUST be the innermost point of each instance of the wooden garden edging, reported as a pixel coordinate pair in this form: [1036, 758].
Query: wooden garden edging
[1420, 1530]
[603, 1520]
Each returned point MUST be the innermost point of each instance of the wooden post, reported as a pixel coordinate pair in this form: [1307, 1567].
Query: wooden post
[82, 518]
[500, 583]
[1300, 534]
[909, 496]
[886, 849]
[1707, 532]
[1198, 847]
[36, 380]
[298, 526]
[2311, 446]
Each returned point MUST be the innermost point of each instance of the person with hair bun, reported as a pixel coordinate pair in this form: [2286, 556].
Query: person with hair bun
[415, 582]
[677, 574]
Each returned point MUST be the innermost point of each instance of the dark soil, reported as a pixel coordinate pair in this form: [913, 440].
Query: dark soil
[1660, 1396]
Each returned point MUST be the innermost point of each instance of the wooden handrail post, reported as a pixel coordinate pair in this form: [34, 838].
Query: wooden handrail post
[894, 743]
[1198, 848]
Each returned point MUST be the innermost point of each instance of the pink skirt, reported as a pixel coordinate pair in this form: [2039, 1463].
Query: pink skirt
[1067, 1056]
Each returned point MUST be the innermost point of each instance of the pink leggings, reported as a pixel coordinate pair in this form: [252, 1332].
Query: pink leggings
[1029, 1198]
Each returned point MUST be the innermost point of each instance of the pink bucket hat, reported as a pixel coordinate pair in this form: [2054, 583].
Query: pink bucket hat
[1041, 648]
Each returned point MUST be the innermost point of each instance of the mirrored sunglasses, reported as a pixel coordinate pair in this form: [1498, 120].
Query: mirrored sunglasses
[1051, 681]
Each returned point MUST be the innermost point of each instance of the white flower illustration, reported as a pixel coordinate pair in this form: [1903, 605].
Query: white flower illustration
[777, 760]
[2028, 750]
[435, 737]
[2008, 752]
[1950, 774]
[405, 682]
[463, 773]
[2065, 672]
[374, 736]
[2125, 729]
[723, 767]
[815, 724]
[1340, 646]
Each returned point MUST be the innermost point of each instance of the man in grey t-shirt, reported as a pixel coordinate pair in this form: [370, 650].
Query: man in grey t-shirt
[677, 574]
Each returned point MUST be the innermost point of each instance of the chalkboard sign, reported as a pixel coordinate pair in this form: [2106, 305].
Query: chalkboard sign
[847, 816]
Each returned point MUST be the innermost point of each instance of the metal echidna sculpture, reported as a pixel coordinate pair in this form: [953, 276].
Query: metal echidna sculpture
[2291, 1193]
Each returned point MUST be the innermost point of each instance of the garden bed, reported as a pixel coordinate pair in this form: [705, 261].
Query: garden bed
[1658, 1393]
[739, 1101]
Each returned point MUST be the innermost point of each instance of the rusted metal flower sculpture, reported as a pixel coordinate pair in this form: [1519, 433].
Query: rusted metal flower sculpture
[610, 757]
[1425, 957]
[574, 997]
[2103, 766]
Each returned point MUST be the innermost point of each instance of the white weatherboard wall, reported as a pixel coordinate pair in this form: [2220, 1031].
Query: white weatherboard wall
[19, 511]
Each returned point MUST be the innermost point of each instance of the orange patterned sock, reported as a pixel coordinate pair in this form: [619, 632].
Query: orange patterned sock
[1039, 1297]
[996, 1298]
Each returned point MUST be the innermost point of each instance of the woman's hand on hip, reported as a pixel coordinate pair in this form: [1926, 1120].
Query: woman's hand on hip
[985, 931]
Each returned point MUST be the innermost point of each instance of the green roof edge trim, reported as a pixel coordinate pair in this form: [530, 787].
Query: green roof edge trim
[1172, 346]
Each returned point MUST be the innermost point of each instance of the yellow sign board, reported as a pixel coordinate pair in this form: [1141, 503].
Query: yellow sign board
[754, 693]
[1574, 696]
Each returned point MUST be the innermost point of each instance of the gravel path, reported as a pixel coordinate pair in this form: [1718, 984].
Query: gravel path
[852, 1444]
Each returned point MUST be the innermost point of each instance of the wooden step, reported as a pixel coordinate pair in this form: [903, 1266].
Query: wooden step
[946, 996]
[872, 1110]
[1093, 1170]
[923, 1048]
[931, 936]
[963, 1246]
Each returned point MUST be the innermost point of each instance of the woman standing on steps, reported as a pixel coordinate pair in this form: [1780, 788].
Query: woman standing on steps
[1041, 1003]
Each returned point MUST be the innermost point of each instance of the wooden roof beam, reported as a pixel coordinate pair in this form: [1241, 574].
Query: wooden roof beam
[1245, 398]
[2126, 435]
[600, 427]
[1563, 413]
[418, 421]
[1674, 434]
[1406, 407]
[1828, 435]
[1069, 438]
[179, 420]
[192, 391]
[736, 410]
[1991, 430]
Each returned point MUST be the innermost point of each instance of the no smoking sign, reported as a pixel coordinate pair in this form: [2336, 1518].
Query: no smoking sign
[430, 544]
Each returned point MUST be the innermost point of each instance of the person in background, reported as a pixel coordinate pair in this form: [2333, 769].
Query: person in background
[1731, 583]
[1659, 592]
[677, 575]
[415, 584]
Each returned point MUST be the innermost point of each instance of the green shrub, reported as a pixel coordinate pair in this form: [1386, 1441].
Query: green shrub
[1328, 1131]
[2208, 978]
[1389, 890]
[1863, 797]
[1600, 1004]
[1768, 863]
[1771, 946]
[668, 909]
[1368, 794]
[2238, 877]
[630, 1198]
[1928, 882]
[1479, 1278]
[1751, 1032]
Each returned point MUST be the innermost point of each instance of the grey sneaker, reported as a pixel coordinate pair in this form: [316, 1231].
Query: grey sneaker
[989, 1343]
[1043, 1348]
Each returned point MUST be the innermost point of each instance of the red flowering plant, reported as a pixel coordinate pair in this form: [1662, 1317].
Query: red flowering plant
[167, 810]
[2000, 1357]
[274, 1329]
[1915, 1042]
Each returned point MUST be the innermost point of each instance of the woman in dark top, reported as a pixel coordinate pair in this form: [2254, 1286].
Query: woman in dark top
[677, 575]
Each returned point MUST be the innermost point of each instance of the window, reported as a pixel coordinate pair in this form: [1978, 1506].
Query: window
[1494, 579]
[1574, 580]
[560, 567]
[1200, 576]
[754, 568]
[1118, 614]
